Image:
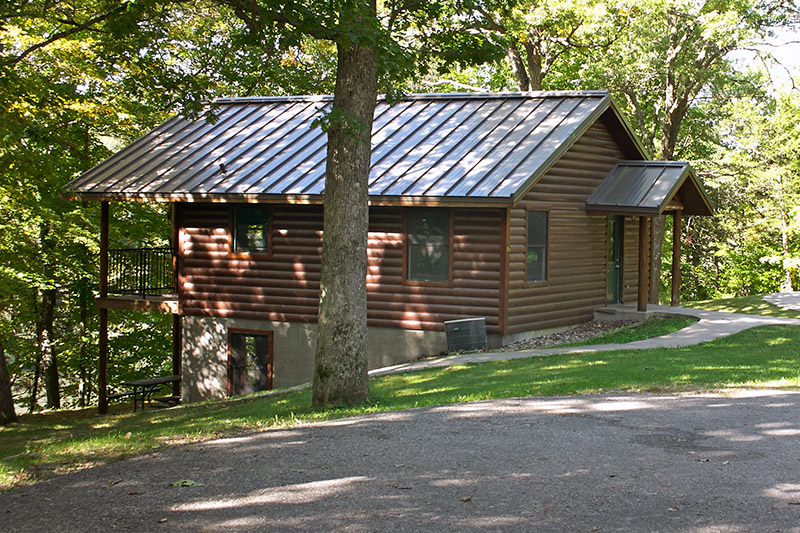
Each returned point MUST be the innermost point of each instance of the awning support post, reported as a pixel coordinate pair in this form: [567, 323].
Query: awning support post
[102, 370]
[676, 258]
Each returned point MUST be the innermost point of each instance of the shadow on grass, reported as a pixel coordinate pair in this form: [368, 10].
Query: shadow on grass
[752, 305]
[41, 445]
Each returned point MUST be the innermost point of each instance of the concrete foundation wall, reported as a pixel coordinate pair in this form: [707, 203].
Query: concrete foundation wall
[205, 351]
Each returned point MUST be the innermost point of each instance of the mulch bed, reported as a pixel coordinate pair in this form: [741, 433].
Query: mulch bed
[577, 333]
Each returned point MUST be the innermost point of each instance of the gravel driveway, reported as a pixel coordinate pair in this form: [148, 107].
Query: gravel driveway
[593, 463]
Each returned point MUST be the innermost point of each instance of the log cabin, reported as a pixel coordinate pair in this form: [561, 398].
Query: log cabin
[527, 210]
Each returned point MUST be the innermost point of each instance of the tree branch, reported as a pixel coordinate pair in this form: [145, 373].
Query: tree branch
[14, 60]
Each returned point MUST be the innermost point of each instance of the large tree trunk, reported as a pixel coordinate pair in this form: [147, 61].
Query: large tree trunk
[341, 363]
[7, 412]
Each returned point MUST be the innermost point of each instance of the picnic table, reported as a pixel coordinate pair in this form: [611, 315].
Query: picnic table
[143, 390]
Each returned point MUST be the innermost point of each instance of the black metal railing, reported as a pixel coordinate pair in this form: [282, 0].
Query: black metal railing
[144, 271]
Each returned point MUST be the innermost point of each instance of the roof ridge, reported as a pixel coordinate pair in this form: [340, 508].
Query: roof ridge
[652, 162]
[415, 96]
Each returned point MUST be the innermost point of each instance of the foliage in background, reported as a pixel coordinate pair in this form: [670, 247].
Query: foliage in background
[76, 83]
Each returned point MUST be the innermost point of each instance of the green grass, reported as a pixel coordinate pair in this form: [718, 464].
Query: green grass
[41, 445]
[652, 327]
[752, 305]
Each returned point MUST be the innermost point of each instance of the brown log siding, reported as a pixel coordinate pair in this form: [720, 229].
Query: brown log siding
[285, 285]
[576, 283]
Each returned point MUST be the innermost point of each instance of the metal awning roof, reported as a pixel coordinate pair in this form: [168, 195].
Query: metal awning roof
[469, 148]
[650, 188]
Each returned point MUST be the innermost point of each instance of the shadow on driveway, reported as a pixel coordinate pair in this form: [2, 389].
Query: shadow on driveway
[592, 463]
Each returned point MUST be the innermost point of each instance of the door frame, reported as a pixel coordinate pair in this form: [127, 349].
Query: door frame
[615, 228]
[270, 367]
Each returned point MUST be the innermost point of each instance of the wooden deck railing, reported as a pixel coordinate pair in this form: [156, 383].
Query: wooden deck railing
[142, 271]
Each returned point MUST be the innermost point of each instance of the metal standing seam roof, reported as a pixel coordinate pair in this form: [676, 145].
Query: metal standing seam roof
[647, 187]
[473, 147]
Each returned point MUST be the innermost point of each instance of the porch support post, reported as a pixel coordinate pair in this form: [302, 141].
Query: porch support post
[176, 318]
[102, 370]
[643, 290]
[676, 258]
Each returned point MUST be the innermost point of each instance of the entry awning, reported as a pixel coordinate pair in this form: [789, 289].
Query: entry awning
[650, 188]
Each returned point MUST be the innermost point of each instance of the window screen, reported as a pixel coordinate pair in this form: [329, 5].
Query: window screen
[252, 228]
[428, 245]
[537, 245]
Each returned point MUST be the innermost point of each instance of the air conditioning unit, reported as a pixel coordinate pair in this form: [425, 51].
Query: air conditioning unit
[465, 334]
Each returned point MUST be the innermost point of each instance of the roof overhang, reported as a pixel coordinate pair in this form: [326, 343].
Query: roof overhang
[399, 201]
[650, 188]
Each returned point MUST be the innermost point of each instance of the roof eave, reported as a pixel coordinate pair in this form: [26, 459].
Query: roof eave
[702, 191]
[637, 142]
[688, 173]
[625, 211]
[297, 199]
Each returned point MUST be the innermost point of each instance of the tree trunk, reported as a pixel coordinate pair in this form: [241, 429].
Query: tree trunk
[676, 104]
[520, 71]
[535, 73]
[47, 351]
[341, 362]
[656, 250]
[84, 384]
[33, 404]
[7, 412]
[786, 285]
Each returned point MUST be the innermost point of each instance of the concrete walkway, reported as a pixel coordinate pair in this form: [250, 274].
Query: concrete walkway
[710, 326]
[784, 300]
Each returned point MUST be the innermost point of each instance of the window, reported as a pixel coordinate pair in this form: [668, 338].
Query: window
[428, 245]
[537, 245]
[249, 363]
[251, 228]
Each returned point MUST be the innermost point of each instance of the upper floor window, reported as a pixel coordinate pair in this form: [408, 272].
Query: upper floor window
[537, 245]
[428, 245]
[251, 228]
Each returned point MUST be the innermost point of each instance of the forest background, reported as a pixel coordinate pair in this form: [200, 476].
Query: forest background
[79, 79]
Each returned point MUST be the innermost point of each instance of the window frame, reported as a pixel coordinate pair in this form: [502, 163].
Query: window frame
[546, 279]
[406, 274]
[234, 226]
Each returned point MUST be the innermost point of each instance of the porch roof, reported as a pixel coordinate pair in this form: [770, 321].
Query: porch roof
[650, 188]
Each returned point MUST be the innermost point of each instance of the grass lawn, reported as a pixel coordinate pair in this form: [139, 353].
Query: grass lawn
[41, 445]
